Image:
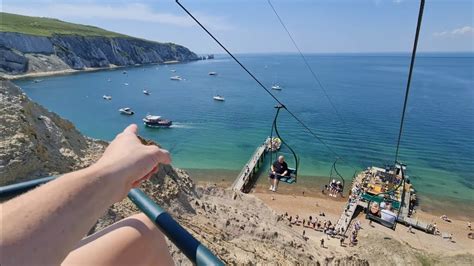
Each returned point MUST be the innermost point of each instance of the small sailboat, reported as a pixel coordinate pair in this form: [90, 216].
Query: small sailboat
[276, 87]
[126, 111]
[212, 73]
[107, 97]
[178, 78]
[155, 121]
[146, 92]
[218, 98]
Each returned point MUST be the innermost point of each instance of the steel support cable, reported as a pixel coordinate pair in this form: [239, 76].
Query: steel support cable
[318, 81]
[412, 63]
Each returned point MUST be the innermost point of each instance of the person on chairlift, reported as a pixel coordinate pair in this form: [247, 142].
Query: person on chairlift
[279, 168]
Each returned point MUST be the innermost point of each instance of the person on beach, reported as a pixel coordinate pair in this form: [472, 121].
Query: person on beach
[46, 226]
[279, 168]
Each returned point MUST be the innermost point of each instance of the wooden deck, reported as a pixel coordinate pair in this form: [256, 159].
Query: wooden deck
[346, 217]
[347, 214]
[249, 171]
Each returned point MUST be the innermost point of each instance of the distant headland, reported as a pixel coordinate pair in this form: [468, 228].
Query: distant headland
[34, 46]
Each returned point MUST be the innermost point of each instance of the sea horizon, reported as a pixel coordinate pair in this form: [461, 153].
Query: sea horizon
[385, 53]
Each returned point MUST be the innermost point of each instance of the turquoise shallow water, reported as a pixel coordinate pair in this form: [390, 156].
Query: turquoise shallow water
[367, 89]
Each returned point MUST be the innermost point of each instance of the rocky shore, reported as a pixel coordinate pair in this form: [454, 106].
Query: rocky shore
[26, 54]
[35, 142]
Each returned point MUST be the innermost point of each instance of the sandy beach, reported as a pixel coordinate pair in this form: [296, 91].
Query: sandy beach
[304, 206]
[55, 72]
[305, 203]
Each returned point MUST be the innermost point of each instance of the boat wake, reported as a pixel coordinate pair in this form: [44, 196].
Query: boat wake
[182, 125]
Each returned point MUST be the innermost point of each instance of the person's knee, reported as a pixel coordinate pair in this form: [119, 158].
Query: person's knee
[142, 220]
[147, 228]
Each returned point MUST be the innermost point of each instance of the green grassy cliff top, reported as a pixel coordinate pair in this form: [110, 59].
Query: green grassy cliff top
[42, 26]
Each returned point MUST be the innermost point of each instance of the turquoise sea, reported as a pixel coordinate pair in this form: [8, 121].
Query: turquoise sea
[367, 89]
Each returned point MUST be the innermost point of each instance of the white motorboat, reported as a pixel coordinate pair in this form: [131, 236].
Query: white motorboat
[107, 97]
[126, 111]
[126, 84]
[109, 80]
[276, 87]
[219, 98]
[155, 121]
[146, 92]
[173, 70]
[212, 73]
[178, 78]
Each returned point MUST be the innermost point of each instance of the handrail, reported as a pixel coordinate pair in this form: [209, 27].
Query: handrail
[190, 246]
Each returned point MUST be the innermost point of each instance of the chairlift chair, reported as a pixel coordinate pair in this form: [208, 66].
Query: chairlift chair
[293, 172]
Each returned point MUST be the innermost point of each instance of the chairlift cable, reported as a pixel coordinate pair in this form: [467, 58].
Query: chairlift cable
[318, 81]
[260, 83]
[412, 63]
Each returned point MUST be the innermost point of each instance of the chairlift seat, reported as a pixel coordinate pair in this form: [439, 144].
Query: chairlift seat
[381, 221]
[289, 179]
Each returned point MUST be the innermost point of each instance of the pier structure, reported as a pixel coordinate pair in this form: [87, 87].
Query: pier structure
[248, 175]
[360, 202]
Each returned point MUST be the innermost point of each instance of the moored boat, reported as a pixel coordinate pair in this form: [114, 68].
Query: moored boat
[176, 78]
[276, 87]
[156, 121]
[219, 98]
[107, 97]
[212, 73]
[146, 92]
[126, 111]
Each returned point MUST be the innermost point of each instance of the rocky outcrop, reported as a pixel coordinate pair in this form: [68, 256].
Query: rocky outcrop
[81, 52]
[35, 142]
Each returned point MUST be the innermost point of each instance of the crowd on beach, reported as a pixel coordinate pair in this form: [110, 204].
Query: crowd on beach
[321, 224]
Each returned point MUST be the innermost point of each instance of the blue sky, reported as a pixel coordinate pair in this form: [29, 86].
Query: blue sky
[249, 26]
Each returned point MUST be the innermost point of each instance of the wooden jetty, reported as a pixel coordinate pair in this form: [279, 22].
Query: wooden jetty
[346, 217]
[249, 171]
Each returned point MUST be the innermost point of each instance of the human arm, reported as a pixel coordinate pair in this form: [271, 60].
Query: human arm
[42, 226]
[286, 170]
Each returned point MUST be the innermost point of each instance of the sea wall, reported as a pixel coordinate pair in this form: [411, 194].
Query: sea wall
[18, 52]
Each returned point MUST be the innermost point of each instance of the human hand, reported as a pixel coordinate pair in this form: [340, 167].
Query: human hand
[127, 162]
